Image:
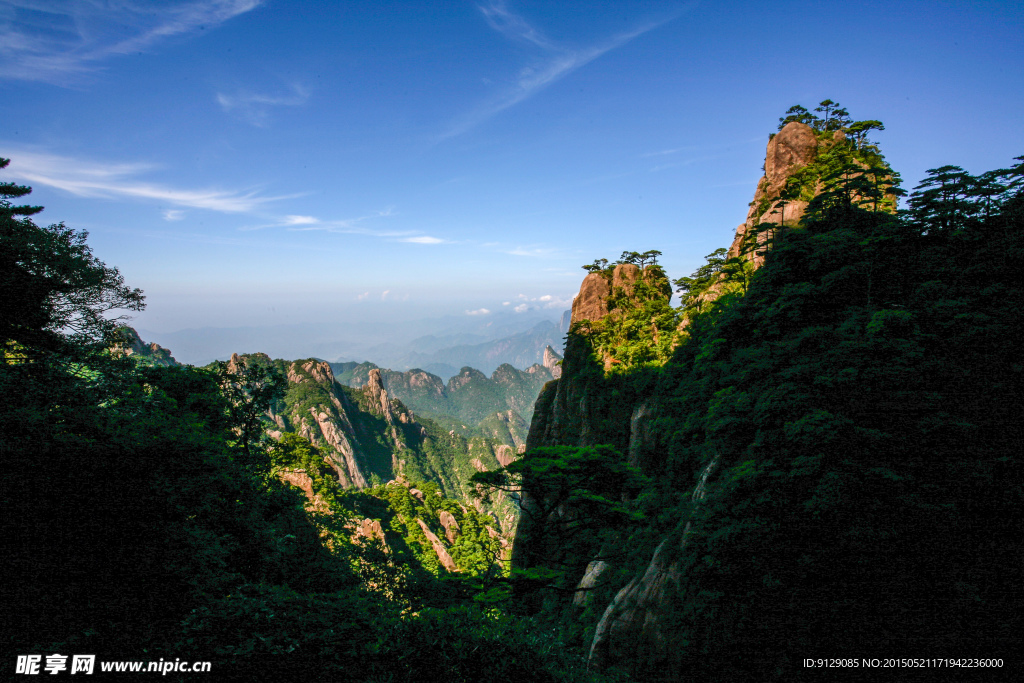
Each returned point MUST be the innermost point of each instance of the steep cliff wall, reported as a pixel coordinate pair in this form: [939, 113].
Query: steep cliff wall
[368, 437]
[591, 404]
[800, 490]
[575, 410]
[791, 149]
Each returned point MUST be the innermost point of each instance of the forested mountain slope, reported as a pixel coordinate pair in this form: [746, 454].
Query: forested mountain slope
[147, 516]
[370, 438]
[827, 462]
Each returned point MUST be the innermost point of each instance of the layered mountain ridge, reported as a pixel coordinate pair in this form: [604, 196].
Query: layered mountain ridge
[470, 395]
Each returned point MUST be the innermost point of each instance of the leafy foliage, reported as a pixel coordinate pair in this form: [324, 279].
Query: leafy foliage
[251, 385]
[859, 406]
[54, 294]
[568, 494]
[146, 518]
[641, 326]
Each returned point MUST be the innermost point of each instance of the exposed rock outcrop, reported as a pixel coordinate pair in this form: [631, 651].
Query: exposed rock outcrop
[146, 354]
[553, 362]
[569, 410]
[451, 526]
[494, 534]
[592, 301]
[505, 455]
[442, 553]
[300, 479]
[326, 425]
[789, 150]
[583, 595]
[639, 619]
[379, 395]
[371, 529]
[625, 276]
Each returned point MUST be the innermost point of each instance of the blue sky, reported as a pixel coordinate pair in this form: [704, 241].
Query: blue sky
[252, 162]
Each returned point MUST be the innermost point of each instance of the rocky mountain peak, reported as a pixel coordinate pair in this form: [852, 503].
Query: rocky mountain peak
[788, 151]
[793, 176]
[236, 361]
[149, 354]
[552, 361]
[625, 276]
[465, 376]
[793, 147]
[592, 301]
[318, 371]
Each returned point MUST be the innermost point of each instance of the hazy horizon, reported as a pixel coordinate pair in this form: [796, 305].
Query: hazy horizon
[382, 342]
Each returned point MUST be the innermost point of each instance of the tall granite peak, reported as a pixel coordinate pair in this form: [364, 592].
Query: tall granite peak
[592, 301]
[792, 147]
[788, 151]
[553, 362]
[585, 406]
[795, 164]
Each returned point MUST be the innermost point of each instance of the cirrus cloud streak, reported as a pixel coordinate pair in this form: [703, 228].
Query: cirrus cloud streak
[85, 178]
[60, 42]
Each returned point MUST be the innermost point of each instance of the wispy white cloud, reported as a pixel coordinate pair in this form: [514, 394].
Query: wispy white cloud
[533, 251]
[351, 226]
[85, 178]
[174, 215]
[300, 220]
[549, 301]
[545, 301]
[513, 26]
[254, 108]
[422, 239]
[60, 42]
[552, 62]
[479, 311]
[346, 226]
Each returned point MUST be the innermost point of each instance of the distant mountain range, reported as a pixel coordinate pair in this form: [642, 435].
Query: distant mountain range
[440, 345]
[469, 396]
[519, 350]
